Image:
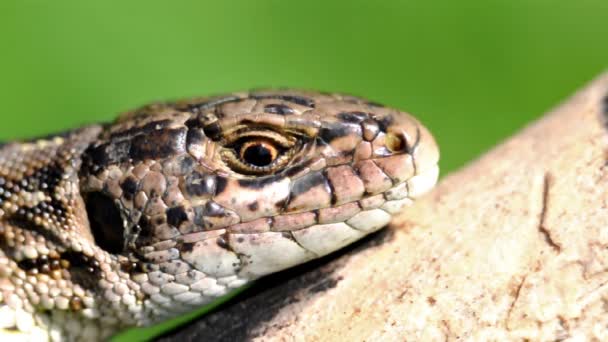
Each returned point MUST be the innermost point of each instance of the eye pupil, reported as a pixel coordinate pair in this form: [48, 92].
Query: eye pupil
[258, 155]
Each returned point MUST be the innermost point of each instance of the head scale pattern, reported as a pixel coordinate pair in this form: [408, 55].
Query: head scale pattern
[190, 199]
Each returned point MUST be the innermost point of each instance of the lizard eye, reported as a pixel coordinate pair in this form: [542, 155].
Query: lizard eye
[259, 153]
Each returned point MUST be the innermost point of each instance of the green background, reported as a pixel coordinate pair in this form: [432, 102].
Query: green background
[473, 71]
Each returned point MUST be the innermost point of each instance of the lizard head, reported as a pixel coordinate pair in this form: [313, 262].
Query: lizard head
[215, 192]
[175, 204]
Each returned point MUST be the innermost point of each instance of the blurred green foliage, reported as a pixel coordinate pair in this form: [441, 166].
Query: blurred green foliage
[474, 71]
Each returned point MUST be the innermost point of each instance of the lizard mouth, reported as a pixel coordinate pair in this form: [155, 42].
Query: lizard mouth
[266, 245]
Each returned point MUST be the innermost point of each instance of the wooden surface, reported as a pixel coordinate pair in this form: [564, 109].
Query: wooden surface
[514, 246]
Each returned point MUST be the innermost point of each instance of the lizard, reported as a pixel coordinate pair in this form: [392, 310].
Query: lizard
[175, 204]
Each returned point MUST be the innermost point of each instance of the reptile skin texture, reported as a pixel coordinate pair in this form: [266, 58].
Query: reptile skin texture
[175, 204]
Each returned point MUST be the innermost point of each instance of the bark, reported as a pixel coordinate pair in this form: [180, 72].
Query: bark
[512, 247]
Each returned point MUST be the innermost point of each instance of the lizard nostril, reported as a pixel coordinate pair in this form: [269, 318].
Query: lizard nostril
[395, 143]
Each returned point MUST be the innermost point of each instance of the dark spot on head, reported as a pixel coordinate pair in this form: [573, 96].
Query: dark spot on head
[193, 123]
[385, 122]
[158, 144]
[353, 117]
[51, 175]
[80, 260]
[145, 228]
[29, 265]
[84, 270]
[221, 241]
[96, 158]
[333, 130]
[138, 130]
[186, 247]
[253, 206]
[195, 136]
[220, 185]
[213, 130]
[240, 239]
[176, 215]
[129, 187]
[303, 101]
[211, 209]
[431, 301]
[209, 103]
[106, 222]
[307, 182]
[277, 108]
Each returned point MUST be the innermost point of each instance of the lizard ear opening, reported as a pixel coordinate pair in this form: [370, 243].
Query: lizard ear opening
[106, 222]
